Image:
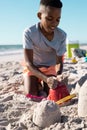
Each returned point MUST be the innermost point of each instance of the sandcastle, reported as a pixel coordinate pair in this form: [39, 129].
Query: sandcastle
[46, 113]
[82, 102]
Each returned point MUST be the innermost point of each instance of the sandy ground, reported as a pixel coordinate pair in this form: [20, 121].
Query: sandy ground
[16, 111]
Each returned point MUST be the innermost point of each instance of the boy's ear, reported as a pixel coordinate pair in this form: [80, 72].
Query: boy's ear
[39, 15]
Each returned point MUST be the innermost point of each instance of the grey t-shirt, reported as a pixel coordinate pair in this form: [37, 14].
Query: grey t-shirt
[44, 51]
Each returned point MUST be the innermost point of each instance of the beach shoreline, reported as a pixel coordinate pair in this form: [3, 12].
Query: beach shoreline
[18, 55]
[12, 57]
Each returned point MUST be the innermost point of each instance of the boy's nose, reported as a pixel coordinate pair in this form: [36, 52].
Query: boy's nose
[55, 24]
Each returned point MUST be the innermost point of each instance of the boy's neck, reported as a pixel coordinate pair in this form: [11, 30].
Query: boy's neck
[49, 36]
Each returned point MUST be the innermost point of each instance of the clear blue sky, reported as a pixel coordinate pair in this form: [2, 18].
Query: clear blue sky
[16, 15]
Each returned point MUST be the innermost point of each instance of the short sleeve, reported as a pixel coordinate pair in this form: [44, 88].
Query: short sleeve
[62, 48]
[27, 42]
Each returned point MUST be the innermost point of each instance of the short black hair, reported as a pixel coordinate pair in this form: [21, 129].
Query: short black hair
[52, 3]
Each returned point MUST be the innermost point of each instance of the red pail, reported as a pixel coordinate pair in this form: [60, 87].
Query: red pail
[58, 93]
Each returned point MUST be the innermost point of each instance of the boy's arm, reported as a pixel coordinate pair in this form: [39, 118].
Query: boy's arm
[51, 81]
[28, 55]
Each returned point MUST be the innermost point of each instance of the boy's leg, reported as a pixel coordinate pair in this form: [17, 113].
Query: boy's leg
[30, 85]
[46, 88]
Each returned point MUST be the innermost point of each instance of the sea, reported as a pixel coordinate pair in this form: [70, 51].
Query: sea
[17, 49]
[11, 49]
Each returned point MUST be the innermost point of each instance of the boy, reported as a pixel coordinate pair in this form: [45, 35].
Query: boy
[44, 46]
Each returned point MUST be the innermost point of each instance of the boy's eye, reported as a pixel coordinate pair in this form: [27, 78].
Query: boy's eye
[49, 19]
[58, 20]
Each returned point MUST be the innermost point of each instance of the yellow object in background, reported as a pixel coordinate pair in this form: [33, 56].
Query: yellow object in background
[69, 46]
[86, 54]
[74, 60]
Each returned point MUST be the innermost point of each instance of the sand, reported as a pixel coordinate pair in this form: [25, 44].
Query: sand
[16, 111]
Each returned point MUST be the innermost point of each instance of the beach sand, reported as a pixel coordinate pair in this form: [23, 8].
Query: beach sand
[16, 111]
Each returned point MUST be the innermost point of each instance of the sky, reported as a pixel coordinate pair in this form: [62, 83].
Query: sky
[16, 15]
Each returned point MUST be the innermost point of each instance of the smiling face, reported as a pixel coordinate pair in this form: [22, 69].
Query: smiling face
[49, 18]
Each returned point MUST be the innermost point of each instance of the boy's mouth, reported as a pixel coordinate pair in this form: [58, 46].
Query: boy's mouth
[52, 28]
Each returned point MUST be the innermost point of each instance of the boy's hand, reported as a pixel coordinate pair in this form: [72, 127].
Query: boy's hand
[63, 78]
[52, 82]
[60, 77]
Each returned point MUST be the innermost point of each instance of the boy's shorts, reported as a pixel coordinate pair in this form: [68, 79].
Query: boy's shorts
[47, 71]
